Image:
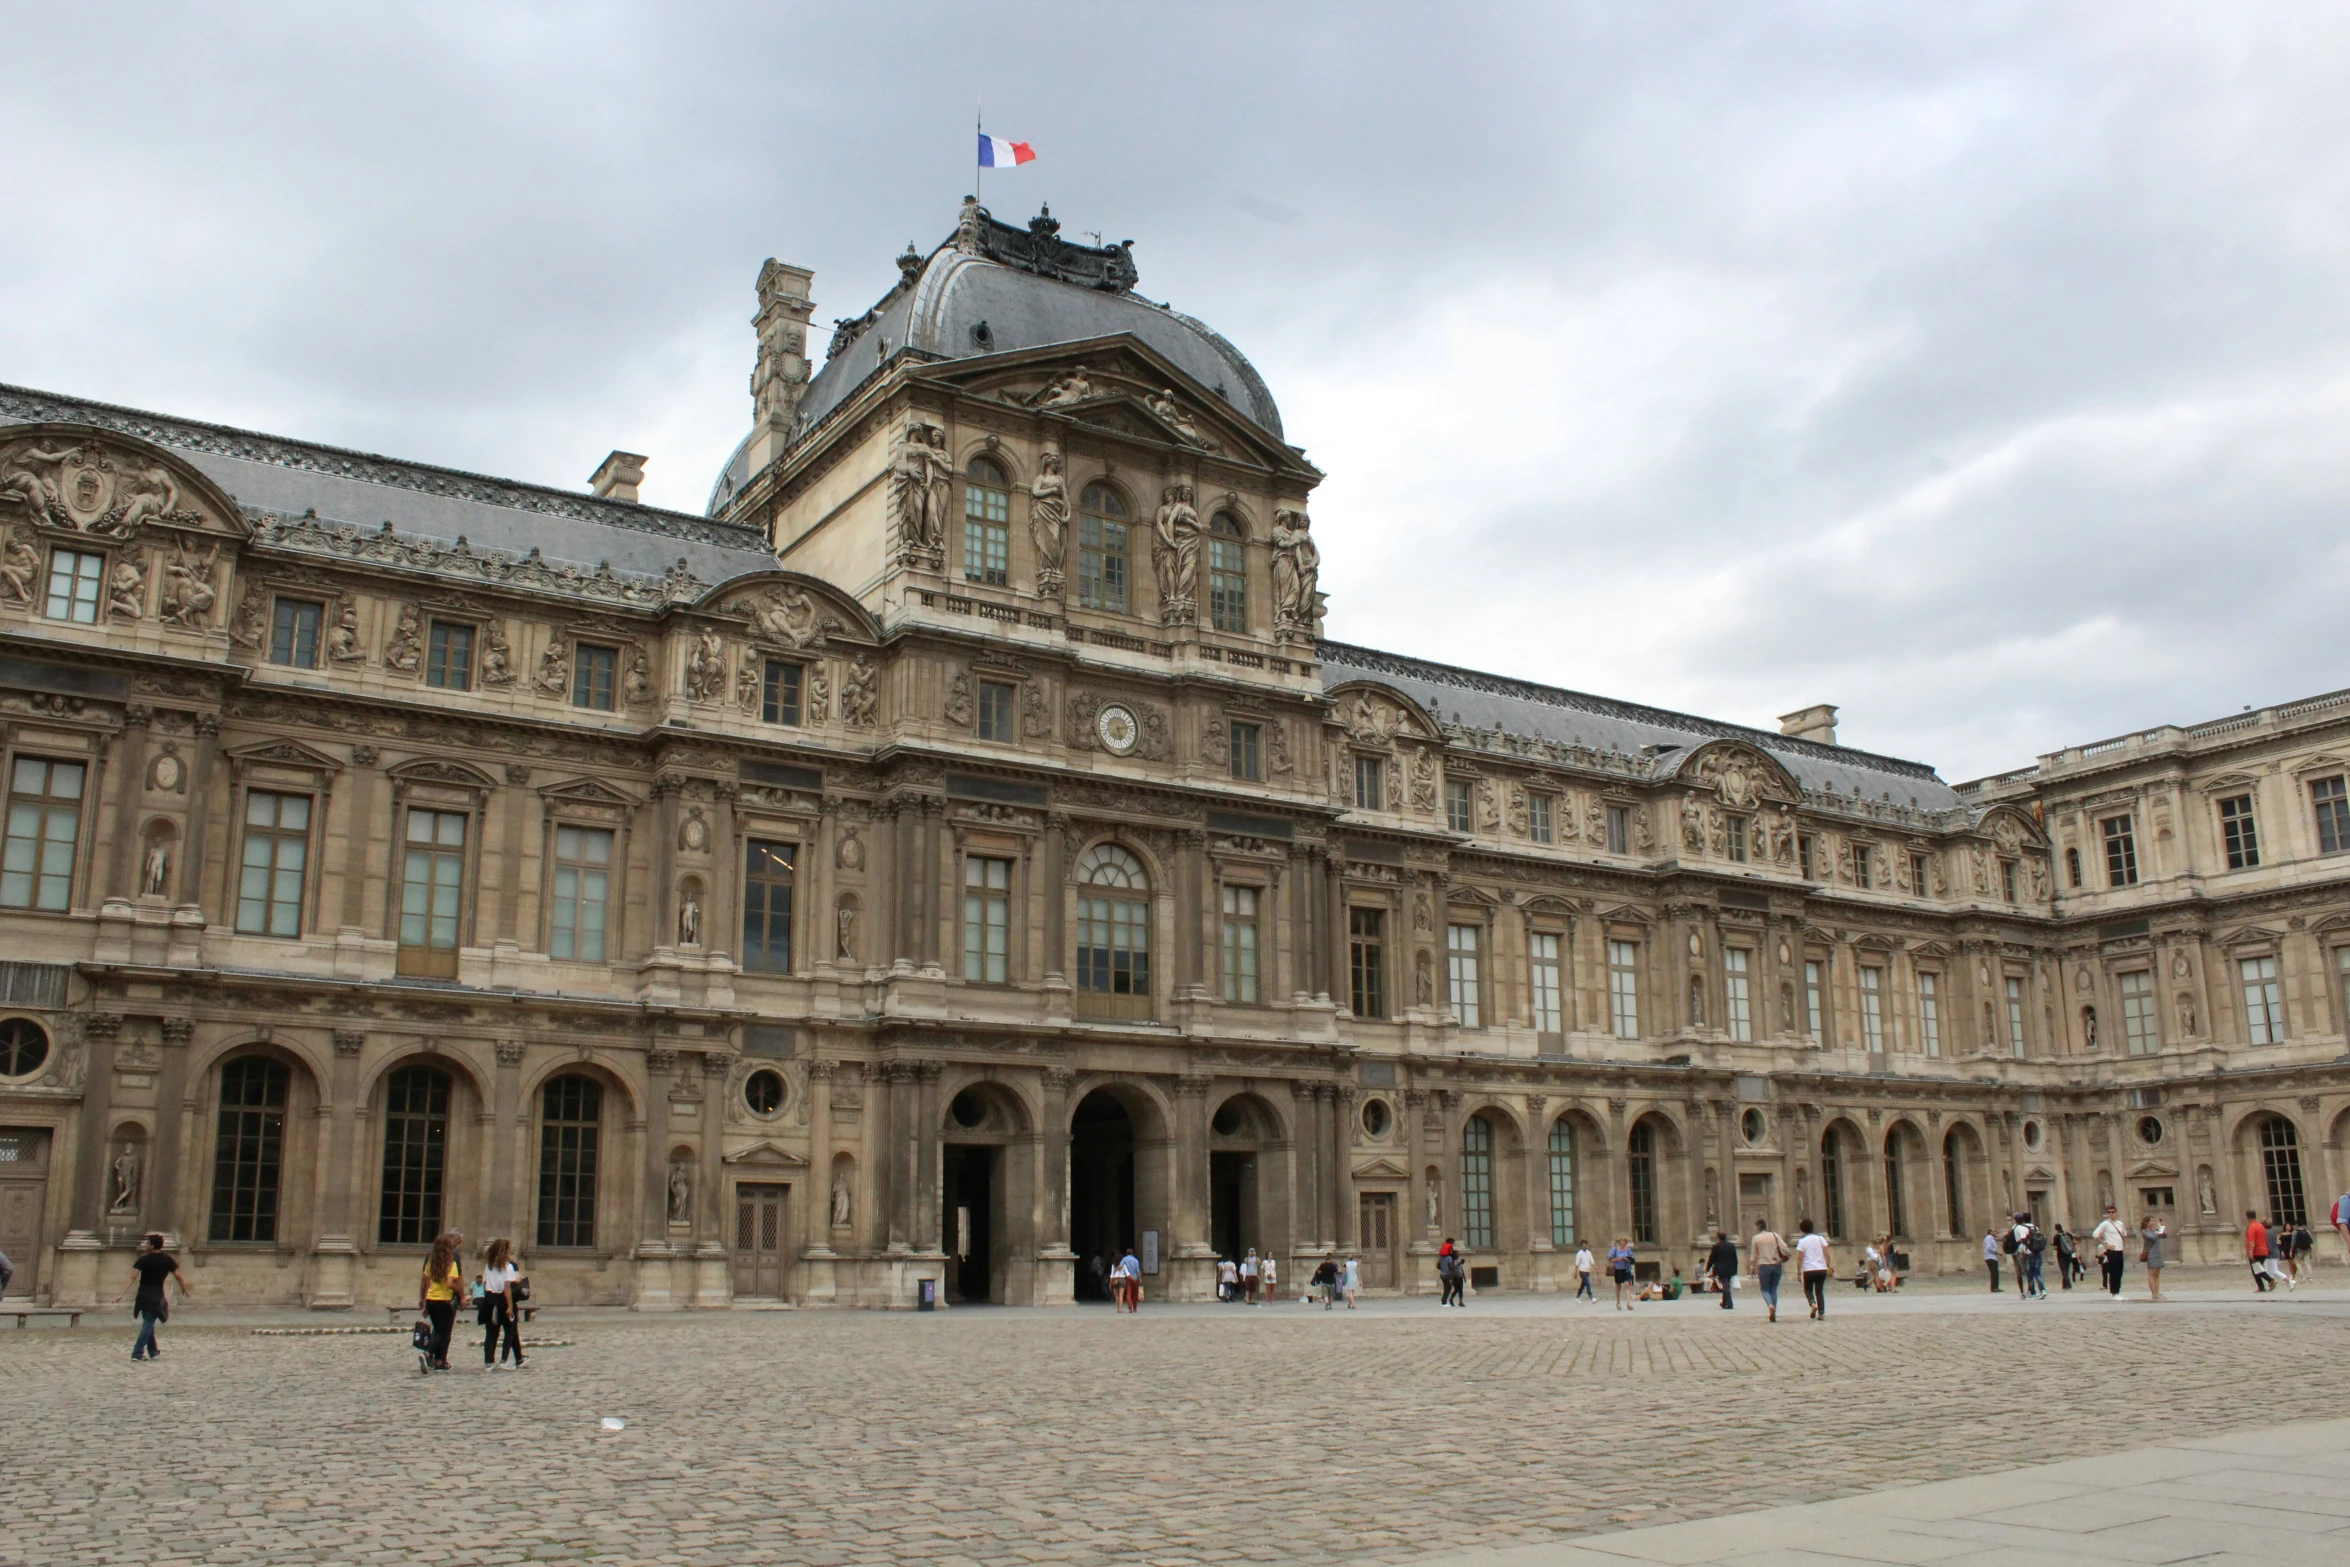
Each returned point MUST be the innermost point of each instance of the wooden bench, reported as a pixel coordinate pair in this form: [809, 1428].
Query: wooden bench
[395, 1313]
[22, 1313]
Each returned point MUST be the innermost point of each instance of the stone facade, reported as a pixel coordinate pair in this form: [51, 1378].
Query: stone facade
[960, 853]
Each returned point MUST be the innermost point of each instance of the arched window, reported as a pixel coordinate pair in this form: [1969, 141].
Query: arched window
[1101, 549]
[1562, 1183]
[1227, 574]
[249, 1149]
[1832, 1179]
[1113, 932]
[987, 523]
[1477, 1184]
[2280, 1164]
[1641, 1167]
[571, 1123]
[1954, 1183]
[1896, 1210]
[416, 1150]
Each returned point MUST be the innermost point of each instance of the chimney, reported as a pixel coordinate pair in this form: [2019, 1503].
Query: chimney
[1817, 722]
[617, 476]
[780, 378]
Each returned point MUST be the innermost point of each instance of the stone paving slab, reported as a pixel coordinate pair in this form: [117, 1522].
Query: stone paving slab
[1209, 1435]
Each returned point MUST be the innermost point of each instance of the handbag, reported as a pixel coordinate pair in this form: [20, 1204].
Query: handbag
[420, 1337]
[518, 1291]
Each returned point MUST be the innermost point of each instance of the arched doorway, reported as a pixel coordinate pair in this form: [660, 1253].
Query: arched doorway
[979, 1194]
[1101, 1188]
[1241, 1133]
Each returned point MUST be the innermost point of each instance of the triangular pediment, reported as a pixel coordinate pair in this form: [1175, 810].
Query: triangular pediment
[285, 753]
[436, 770]
[1740, 776]
[2250, 936]
[2152, 1169]
[1381, 1167]
[765, 1155]
[588, 791]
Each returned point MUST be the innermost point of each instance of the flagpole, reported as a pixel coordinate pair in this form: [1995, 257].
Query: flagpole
[978, 178]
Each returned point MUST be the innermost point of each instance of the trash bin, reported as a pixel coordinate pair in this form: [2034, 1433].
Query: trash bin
[926, 1295]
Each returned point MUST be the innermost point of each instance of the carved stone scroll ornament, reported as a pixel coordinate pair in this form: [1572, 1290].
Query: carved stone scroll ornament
[922, 488]
[1048, 521]
[20, 565]
[188, 590]
[404, 651]
[705, 668]
[1297, 575]
[126, 590]
[1175, 556]
[858, 692]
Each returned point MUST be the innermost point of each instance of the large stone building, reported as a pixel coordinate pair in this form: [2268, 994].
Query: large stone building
[959, 853]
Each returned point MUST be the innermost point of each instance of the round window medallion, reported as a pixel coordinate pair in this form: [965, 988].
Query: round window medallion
[23, 1047]
[2149, 1129]
[763, 1091]
[1116, 728]
[969, 1109]
[1751, 1123]
[1375, 1118]
[2031, 1134]
[1228, 1121]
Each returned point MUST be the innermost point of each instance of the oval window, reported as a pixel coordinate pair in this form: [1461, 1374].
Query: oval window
[969, 1109]
[24, 1045]
[1227, 1122]
[763, 1091]
[1376, 1118]
[1752, 1124]
[2149, 1129]
[2031, 1134]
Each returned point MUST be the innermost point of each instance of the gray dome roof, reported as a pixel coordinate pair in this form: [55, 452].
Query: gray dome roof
[994, 289]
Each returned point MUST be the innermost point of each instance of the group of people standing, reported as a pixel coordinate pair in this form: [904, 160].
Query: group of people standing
[1239, 1280]
[496, 1293]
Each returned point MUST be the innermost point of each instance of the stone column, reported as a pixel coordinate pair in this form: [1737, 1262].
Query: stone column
[1327, 932]
[1309, 1198]
[1056, 1283]
[1194, 1232]
[933, 887]
[653, 1291]
[722, 919]
[1619, 1173]
[337, 1250]
[1448, 1161]
[129, 773]
[713, 1275]
[1338, 1224]
[663, 902]
[899, 1153]
[1415, 1218]
[508, 1215]
[1538, 1236]
[200, 790]
[926, 1154]
[167, 1181]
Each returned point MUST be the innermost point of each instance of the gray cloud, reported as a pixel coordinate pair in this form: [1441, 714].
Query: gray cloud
[1980, 369]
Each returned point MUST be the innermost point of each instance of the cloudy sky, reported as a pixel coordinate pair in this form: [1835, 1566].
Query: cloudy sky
[1983, 369]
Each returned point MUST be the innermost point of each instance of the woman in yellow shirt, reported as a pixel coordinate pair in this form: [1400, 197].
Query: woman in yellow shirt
[436, 1297]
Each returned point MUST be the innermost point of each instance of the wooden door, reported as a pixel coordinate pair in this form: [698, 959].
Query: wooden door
[24, 1199]
[762, 1253]
[1375, 1233]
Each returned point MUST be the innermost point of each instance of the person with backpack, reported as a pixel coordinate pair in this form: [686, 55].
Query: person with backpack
[2031, 1250]
[2111, 1236]
[436, 1298]
[501, 1306]
[150, 1271]
[1325, 1279]
[1621, 1263]
[1453, 1272]
[2068, 1256]
[2298, 1245]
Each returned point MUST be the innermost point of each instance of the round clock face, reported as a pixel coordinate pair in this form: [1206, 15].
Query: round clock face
[1117, 729]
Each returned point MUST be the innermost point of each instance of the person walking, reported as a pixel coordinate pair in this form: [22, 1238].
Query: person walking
[1227, 1280]
[2031, 1250]
[1452, 1274]
[1811, 1250]
[436, 1297]
[1769, 1256]
[1248, 1276]
[1268, 1280]
[2068, 1256]
[2341, 1218]
[2111, 1236]
[1722, 1263]
[2152, 1233]
[2256, 1252]
[1130, 1280]
[150, 1271]
[2297, 1249]
[1990, 1257]
[1325, 1279]
[501, 1314]
[1352, 1280]
[1583, 1267]
[7, 1272]
[1621, 1260]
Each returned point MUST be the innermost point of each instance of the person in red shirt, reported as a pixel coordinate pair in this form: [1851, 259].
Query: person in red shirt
[2256, 1251]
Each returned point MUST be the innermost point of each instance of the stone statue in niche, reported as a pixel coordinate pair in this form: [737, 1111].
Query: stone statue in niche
[497, 656]
[128, 1167]
[342, 643]
[689, 922]
[1643, 838]
[20, 564]
[1435, 1200]
[188, 593]
[840, 1202]
[2089, 1026]
[1422, 920]
[681, 1192]
[1175, 556]
[2205, 1197]
[1802, 1192]
[155, 872]
[923, 484]
[1786, 1006]
[845, 928]
[554, 676]
[1048, 521]
[126, 591]
[1297, 575]
[1424, 980]
[2039, 870]
[705, 668]
[2104, 1188]
[850, 856]
[404, 652]
[1712, 1209]
[2186, 1015]
[1424, 780]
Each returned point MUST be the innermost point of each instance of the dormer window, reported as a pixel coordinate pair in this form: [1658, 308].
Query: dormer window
[1101, 549]
[1227, 574]
[987, 523]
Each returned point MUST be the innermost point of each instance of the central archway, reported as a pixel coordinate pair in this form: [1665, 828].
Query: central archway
[1101, 1188]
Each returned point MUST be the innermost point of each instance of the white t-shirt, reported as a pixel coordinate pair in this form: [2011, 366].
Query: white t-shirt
[1248, 1267]
[1583, 1260]
[495, 1280]
[2111, 1235]
[1813, 1249]
[1226, 1272]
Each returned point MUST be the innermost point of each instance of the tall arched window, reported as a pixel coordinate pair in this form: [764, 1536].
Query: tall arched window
[1227, 574]
[1477, 1184]
[1641, 1167]
[416, 1149]
[1113, 933]
[987, 523]
[1896, 1209]
[249, 1149]
[1101, 549]
[1954, 1183]
[2280, 1165]
[1832, 1179]
[571, 1123]
[1562, 1184]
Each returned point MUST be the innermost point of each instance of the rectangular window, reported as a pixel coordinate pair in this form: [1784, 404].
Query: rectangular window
[987, 920]
[432, 892]
[1860, 865]
[987, 535]
[2264, 1003]
[767, 892]
[1458, 814]
[1543, 969]
[1872, 1009]
[1806, 856]
[1930, 1013]
[779, 692]
[248, 1149]
[1734, 838]
[448, 657]
[75, 577]
[2007, 880]
[1538, 817]
[1368, 783]
[1815, 1018]
[1623, 989]
[2139, 1031]
[1737, 1004]
[996, 698]
[591, 676]
[1619, 831]
[1101, 564]
[1240, 945]
[2072, 867]
[293, 633]
[2238, 835]
[1114, 952]
[276, 857]
[583, 869]
[1460, 962]
[1366, 961]
[1920, 876]
[44, 825]
[2121, 852]
[571, 1120]
[2332, 803]
[416, 1146]
[1247, 752]
[1477, 1184]
[1227, 582]
[2015, 1018]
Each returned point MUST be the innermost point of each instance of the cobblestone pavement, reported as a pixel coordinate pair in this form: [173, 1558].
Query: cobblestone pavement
[1200, 1434]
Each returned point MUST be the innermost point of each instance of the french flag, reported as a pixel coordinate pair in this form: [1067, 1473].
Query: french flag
[997, 153]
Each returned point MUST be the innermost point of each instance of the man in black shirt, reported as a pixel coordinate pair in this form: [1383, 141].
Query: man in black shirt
[1722, 1263]
[149, 1271]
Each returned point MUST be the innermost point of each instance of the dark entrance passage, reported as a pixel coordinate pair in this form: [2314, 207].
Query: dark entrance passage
[967, 1222]
[1101, 1189]
[1232, 1198]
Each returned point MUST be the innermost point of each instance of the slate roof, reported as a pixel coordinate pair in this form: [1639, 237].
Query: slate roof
[1467, 700]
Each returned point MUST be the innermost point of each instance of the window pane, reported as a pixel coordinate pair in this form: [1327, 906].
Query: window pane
[1562, 1185]
[293, 633]
[2138, 1021]
[248, 1147]
[1737, 1004]
[570, 1127]
[767, 907]
[1460, 952]
[416, 1139]
[1814, 1014]
[2237, 833]
[1543, 967]
[1872, 1016]
[1477, 1184]
[779, 693]
[987, 920]
[1930, 1013]
[1240, 944]
[2121, 852]
[1366, 961]
[2331, 798]
[1623, 989]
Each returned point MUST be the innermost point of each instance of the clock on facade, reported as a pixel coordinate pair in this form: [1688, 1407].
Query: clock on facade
[1117, 729]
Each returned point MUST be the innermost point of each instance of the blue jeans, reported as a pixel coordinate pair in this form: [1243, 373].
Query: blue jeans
[2030, 1282]
[144, 1344]
[1583, 1286]
[1766, 1277]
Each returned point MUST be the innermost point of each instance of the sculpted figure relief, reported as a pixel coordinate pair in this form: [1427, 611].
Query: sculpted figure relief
[840, 1203]
[857, 692]
[1048, 521]
[1066, 391]
[705, 668]
[681, 1193]
[127, 1165]
[923, 484]
[1423, 780]
[342, 643]
[747, 682]
[497, 656]
[554, 676]
[636, 683]
[959, 710]
[789, 616]
[689, 922]
[1692, 825]
[1297, 575]
[405, 651]
[1175, 556]
[188, 593]
[819, 694]
[126, 591]
[1164, 405]
[81, 489]
[844, 923]
[19, 565]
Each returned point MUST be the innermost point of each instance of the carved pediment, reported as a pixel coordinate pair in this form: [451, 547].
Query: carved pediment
[765, 1155]
[1740, 776]
[284, 753]
[1931, 949]
[436, 770]
[2153, 1170]
[2251, 936]
[588, 791]
[1625, 914]
[72, 479]
[1381, 1168]
[2227, 783]
[786, 611]
[1377, 716]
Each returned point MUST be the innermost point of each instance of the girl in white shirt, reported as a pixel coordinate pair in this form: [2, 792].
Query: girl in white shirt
[501, 1317]
[1811, 1255]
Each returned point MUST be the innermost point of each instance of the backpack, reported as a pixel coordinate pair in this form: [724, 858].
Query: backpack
[421, 1337]
[2037, 1243]
[2007, 1243]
